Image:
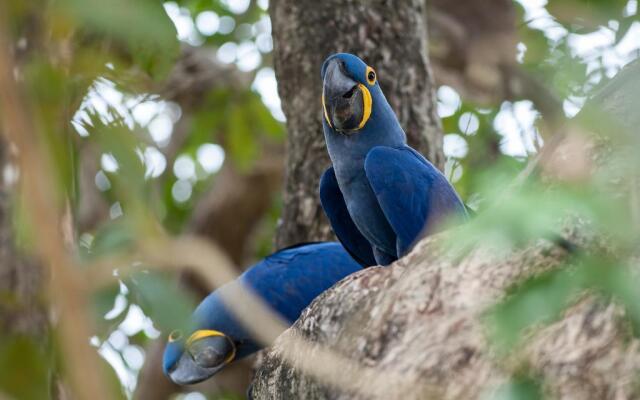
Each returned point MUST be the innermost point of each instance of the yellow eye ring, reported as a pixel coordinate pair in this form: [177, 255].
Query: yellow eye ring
[367, 102]
[371, 76]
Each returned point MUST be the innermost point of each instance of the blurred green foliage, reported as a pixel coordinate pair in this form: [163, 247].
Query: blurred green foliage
[95, 63]
[573, 49]
[25, 368]
[520, 387]
[98, 63]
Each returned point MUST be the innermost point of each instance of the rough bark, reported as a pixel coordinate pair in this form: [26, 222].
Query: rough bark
[390, 36]
[421, 318]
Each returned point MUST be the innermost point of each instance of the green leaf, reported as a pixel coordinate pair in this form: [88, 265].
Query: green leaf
[112, 238]
[131, 21]
[616, 281]
[240, 140]
[169, 307]
[519, 388]
[590, 13]
[142, 25]
[538, 300]
[263, 120]
[25, 368]
[103, 302]
[542, 299]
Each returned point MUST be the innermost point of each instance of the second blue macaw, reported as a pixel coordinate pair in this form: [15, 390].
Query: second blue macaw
[380, 195]
[287, 281]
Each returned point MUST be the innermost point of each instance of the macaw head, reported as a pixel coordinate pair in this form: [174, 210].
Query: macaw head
[352, 99]
[216, 341]
[198, 357]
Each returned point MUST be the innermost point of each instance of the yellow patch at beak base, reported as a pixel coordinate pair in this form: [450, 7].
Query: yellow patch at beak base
[203, 333]
[366, 99]
[324, 109]
[366, 107]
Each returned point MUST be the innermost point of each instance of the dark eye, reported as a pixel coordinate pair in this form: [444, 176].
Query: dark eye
[371, 76]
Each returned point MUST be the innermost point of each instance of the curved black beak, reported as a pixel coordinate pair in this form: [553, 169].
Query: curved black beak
[203, 359]
[343, 99]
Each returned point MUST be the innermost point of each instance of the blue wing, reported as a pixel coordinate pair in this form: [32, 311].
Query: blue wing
[287, 281]
[412, 193]
[336, 210]
[290, 279]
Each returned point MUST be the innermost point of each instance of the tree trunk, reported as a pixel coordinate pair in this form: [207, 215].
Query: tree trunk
[422, 319]
[388, 35]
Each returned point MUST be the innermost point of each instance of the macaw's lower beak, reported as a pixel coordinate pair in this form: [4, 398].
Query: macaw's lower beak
[343, 99]
[203, 359]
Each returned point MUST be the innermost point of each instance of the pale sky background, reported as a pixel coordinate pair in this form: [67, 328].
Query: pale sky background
[514, 122]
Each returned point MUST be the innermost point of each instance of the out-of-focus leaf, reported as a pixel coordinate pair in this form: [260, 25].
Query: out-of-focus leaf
[129, 181]
[625, 25]
[23, 224]
[515, 216]
[240, 141]
[263, 121]
[537, 46]
[228, 396]
[103, 302]
[542, 299]
[142, 21]
[47, 90]
[160, 298]
[198, 6]
[25, 368]
[209, 118]
[519, 388]
[539, 300]
[112, 238]
[142, 25]
[616, 281]
[590, 13]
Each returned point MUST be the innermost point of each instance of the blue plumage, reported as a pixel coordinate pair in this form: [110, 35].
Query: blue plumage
[391, 194]
[287, 281]
[331, 198]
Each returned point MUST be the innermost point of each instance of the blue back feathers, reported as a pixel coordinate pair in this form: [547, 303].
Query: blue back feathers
[287, 281]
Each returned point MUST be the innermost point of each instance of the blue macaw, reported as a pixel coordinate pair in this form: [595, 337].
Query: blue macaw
[380, 195]
[287, 281]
